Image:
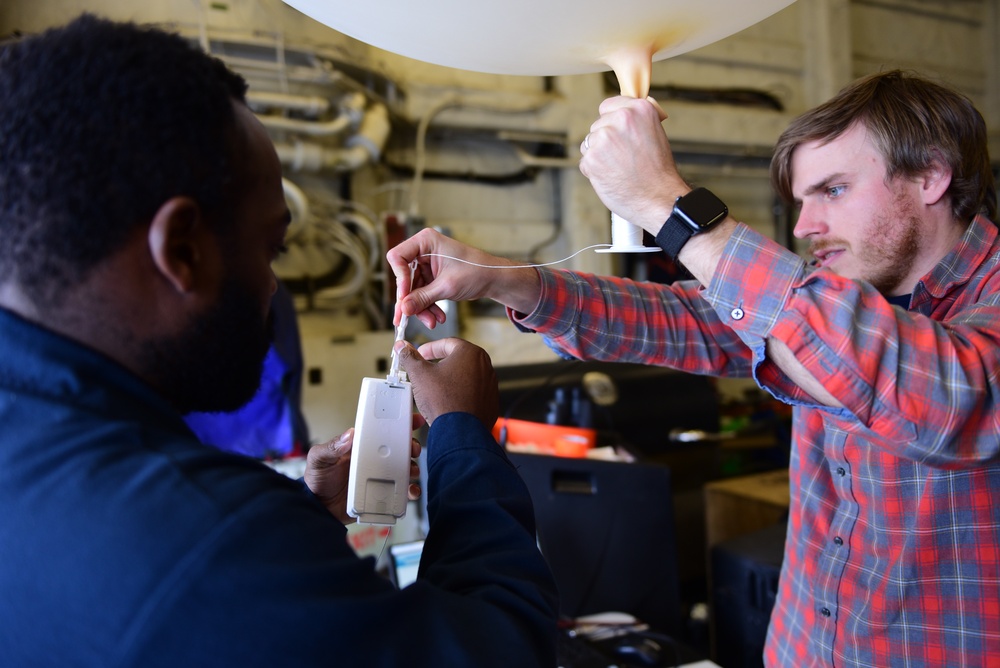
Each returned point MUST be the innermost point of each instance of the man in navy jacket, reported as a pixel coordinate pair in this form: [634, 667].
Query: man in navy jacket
[140, 208]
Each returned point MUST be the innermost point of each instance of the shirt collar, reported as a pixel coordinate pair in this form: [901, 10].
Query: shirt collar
[961, 264]
[41, 362]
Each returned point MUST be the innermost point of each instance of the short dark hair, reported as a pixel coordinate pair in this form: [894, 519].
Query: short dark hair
[101, 122]
[911, 121]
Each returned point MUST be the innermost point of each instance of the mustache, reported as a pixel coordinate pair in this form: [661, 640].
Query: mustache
[817, 247]
[821, 245]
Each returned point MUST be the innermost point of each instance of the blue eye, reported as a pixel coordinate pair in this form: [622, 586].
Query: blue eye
[836, 191]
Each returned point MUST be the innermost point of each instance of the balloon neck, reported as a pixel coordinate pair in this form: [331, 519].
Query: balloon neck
[633, 66]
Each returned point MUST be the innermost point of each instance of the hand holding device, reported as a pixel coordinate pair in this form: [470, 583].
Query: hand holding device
[462, 380]
[328, 465]
[328, 471]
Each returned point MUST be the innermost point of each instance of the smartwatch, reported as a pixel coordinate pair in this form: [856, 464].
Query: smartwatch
[693, 213]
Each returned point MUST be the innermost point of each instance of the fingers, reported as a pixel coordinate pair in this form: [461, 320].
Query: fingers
[630, 164]
[399, 259]
[659, 110]
[439, 349]
[614, 103]
[408, 355]
[328, 454]
[327, 474]
[646, 105]
[422, 303]
[418, 290]
[418, 422]
[618, 113]
[462, 380]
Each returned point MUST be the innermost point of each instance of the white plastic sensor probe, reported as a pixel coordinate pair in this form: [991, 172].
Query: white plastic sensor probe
[380, 459]
[380, 462]
[395, 375]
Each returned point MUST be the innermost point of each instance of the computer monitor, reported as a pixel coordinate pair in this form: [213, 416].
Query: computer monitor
[606, 529]
[404, 562]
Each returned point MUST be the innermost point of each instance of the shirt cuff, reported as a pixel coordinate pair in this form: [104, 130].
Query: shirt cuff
[553, 283]
[753, 283]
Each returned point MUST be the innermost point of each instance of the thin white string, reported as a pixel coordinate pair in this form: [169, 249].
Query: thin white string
[516, 266]
[384, 543]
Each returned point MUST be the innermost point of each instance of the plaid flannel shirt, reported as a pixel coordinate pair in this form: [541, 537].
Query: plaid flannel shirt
[892, 556]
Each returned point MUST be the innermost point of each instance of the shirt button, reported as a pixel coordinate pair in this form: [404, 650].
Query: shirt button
[825, 612]
[841, 471]
[838, 541]
[737, 314]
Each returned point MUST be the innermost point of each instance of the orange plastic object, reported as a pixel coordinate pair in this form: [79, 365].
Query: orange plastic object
[547, 439]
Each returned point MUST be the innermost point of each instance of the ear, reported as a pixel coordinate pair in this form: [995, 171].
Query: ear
[176, 237]
[935, 180]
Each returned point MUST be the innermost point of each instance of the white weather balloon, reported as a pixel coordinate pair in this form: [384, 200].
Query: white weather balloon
[536, 37]
[545, 38]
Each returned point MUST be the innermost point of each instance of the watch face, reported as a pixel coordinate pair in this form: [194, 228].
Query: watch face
[701, 209]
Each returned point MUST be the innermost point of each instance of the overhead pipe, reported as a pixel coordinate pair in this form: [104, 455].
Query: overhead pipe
[359, 149]
[352, 111]
[307, 104]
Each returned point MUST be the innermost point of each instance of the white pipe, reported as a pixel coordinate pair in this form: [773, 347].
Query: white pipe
[529, 160]
[351, 110]
[343, 241]
[301, 156]
[299, 205]
[336, 126]
[374, 131]
[361, 148]
[366, 226]
[420, 158]
[309, 104]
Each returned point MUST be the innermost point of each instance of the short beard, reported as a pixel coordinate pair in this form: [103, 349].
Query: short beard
[216, 364]
[893, 246]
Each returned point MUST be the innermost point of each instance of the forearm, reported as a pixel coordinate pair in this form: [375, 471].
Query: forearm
[615, 319]
[518, 288]
[482, 544]
[783, 358]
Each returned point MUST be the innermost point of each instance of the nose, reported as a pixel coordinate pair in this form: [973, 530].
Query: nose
[810, 221]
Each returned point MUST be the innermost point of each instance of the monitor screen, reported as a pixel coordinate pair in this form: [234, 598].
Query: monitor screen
[404, 561]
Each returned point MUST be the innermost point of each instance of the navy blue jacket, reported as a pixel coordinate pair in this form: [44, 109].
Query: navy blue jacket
[125, 542]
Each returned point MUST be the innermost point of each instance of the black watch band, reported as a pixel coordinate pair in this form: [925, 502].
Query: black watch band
[693, 213]
[673, 235]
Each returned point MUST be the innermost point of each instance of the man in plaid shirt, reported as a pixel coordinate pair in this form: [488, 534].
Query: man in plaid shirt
[886, 343]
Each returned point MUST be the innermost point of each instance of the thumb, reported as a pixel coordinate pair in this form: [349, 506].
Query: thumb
[419, 300]
[328, 454]
[409, 357]
[659, 110]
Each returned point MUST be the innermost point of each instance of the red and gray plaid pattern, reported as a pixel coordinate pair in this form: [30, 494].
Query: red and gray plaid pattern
[893, 551]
